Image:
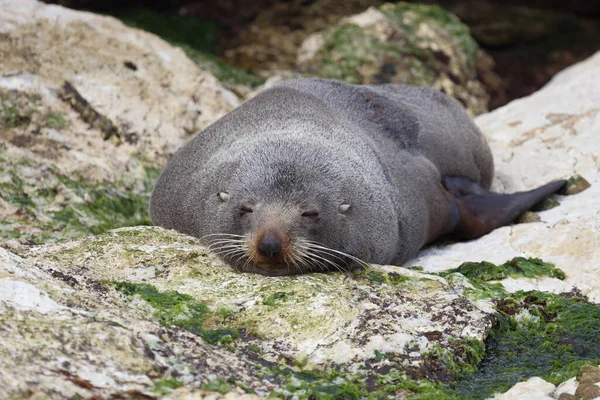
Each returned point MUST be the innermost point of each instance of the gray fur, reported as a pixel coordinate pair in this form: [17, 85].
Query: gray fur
[319, 143]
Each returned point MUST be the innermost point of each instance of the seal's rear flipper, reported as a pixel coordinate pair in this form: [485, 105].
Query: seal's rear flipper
[476, 211]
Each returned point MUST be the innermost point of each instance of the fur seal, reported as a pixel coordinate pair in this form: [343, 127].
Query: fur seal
[314, 175]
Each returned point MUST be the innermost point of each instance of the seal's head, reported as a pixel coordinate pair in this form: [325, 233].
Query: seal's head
[288, 208]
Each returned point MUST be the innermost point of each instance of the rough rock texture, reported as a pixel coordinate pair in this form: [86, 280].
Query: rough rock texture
[70, 332]
[551, 134]
[399, 43]
[144, 100]
[270, 42]
[585, 386]
[532, 389]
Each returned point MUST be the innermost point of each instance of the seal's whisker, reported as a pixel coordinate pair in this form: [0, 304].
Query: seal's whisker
[232, 241]
[303, 257]
[326, 252]
[320, 261]
[310, 251]
[232, 253]
[248, 260]
[227, 240]
[304, 262]
[330, 262]
[294, 263]
[304, 254]
[311, 254]
[221, 234]
[227, 246]
[316, 245]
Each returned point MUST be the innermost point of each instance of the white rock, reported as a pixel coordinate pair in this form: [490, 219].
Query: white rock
[569, 387]
[26, 296]
[533, 389]
[149, 96]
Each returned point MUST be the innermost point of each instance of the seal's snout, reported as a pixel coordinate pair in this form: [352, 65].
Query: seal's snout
[270, 246]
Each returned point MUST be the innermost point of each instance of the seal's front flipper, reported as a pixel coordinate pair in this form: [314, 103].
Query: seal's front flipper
[477, 211]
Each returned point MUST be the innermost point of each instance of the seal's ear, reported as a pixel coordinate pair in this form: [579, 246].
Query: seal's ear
[344, 208]
[223, 196]
[476, 211]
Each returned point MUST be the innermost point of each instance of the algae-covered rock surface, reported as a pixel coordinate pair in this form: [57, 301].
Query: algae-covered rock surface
[90, 110]
[399, 43]
[131, 308]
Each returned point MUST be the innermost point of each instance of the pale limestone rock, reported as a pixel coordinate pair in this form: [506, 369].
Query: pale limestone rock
[532, 389]
[152, 93]
[66, 337]
[568, 387]
[162, 100]
[78, 336]
[328, 317]
[552, 134]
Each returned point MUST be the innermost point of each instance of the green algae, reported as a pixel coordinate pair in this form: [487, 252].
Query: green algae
[575, 184]
[516, 268]
[431, 13]
[277, 298]
[561, 336]
[182, 310]
[534, 334]
[332, 384]
[461, 356]
[201, 34]
[166, 386]
[56, 121]
[352, 54]
[217, 385]
[198, 38]
[106, 206]
[226, 74]
[545, 204]
[554, 338]
[381, 277]
[18, 108]
[102, 206]
[349, 49]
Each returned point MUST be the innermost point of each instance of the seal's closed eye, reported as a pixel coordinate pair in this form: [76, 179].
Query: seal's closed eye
[312, 214]
[246, 208]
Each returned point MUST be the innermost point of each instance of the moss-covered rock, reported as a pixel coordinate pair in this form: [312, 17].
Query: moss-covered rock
[196, 324]
[399, 43]
[41, 203]
[85, 129]
[316, 333]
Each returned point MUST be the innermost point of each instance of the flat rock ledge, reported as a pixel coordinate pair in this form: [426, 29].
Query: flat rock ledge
[127, 311]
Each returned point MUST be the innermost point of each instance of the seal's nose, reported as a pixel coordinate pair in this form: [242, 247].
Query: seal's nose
[270, 247]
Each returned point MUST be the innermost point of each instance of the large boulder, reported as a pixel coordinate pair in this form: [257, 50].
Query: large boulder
[400, 43]
[91, 109]
[135, 307]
